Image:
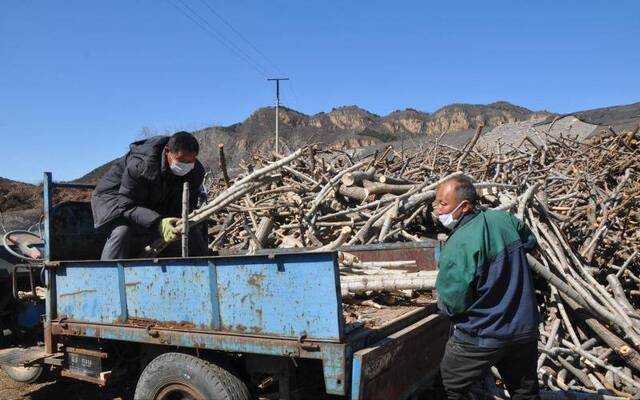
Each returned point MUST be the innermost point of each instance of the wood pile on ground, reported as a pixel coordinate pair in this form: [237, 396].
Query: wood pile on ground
[581, 200]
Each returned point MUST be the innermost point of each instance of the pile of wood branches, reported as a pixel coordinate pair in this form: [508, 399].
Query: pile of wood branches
[581, 200]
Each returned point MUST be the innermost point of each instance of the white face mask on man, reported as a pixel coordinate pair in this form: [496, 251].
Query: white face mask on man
[181, 169]
[447, 219]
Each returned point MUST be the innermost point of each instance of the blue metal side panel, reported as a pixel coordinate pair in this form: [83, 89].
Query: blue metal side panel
[89, 293]
[176, 291]
[289, 295]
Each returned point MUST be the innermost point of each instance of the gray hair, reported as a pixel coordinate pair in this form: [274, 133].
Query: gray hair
[464, 189]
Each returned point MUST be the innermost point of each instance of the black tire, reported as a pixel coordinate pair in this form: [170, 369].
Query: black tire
[176, 376]
[24, 374]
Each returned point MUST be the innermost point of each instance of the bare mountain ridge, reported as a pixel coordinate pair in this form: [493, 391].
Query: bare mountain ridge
[353, 119]
[345, 127]
[348, 127]
[351, 127]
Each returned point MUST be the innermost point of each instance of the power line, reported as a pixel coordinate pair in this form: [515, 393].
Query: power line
[295, 93]
[228, 43]
[241, 36]
[248, 42]
[208, 28]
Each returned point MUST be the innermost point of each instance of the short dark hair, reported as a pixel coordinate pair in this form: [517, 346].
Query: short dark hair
[465, 190]
[183, 141]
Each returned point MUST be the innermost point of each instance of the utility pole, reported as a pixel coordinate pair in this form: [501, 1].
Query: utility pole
[277, 103]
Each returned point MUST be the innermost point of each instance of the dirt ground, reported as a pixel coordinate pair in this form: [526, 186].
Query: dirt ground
[54, 388]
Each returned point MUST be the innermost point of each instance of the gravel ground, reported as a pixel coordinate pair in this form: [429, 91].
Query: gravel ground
[57, 388]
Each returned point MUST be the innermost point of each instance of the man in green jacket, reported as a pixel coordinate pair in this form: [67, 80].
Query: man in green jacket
[486, 288]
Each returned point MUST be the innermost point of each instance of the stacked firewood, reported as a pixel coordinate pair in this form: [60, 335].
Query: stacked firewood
[581, 200]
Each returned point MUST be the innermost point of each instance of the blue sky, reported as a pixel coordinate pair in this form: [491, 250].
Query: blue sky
[80, 79]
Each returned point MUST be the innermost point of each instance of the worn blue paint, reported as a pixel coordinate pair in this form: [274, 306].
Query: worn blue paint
[356, 376]
[301, 299]
[122, 293]
[89, 293]
[215, 302]
[171, 291]
[288, 295]
[335, 360]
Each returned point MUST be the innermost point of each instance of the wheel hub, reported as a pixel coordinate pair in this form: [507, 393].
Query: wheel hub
[179, 391]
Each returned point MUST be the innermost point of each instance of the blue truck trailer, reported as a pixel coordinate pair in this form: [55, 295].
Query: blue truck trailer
[222, 327]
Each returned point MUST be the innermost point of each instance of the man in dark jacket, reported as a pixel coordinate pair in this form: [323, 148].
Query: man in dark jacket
[486, 288]
[140, 197]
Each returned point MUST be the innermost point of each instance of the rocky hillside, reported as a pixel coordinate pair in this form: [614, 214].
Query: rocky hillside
[349, 127]
[21, 203]
[16, 196]
[18, 205]
[346, 127]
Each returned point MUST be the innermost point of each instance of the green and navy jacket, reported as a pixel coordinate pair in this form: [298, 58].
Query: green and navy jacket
[484, 282]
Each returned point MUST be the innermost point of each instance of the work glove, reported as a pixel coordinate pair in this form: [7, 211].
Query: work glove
[168, 230]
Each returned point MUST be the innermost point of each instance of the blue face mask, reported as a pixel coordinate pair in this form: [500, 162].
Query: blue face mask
[447, 220]
[181, 169]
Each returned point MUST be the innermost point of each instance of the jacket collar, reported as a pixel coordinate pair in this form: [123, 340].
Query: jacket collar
[464, 220]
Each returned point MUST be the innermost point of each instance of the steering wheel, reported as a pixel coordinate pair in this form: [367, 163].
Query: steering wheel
[24, 242]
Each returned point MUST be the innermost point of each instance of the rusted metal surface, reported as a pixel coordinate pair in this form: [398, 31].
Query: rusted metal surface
[80, 377]
[333, 355]
[395, 366]
[77, 292]
[159, 324]
[424, 253]
[87, 352]
[50, 343]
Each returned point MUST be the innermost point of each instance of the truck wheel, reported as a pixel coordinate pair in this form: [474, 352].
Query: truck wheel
[176, 376]
[24, 374]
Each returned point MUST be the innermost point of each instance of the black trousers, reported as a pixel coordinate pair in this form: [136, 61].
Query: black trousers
[127, 240]
[463, 364]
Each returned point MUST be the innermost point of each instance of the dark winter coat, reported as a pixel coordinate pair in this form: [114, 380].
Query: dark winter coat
[141, 188]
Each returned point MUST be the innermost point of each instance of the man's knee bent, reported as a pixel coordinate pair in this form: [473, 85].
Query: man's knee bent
[120, 232]
[118, 243]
